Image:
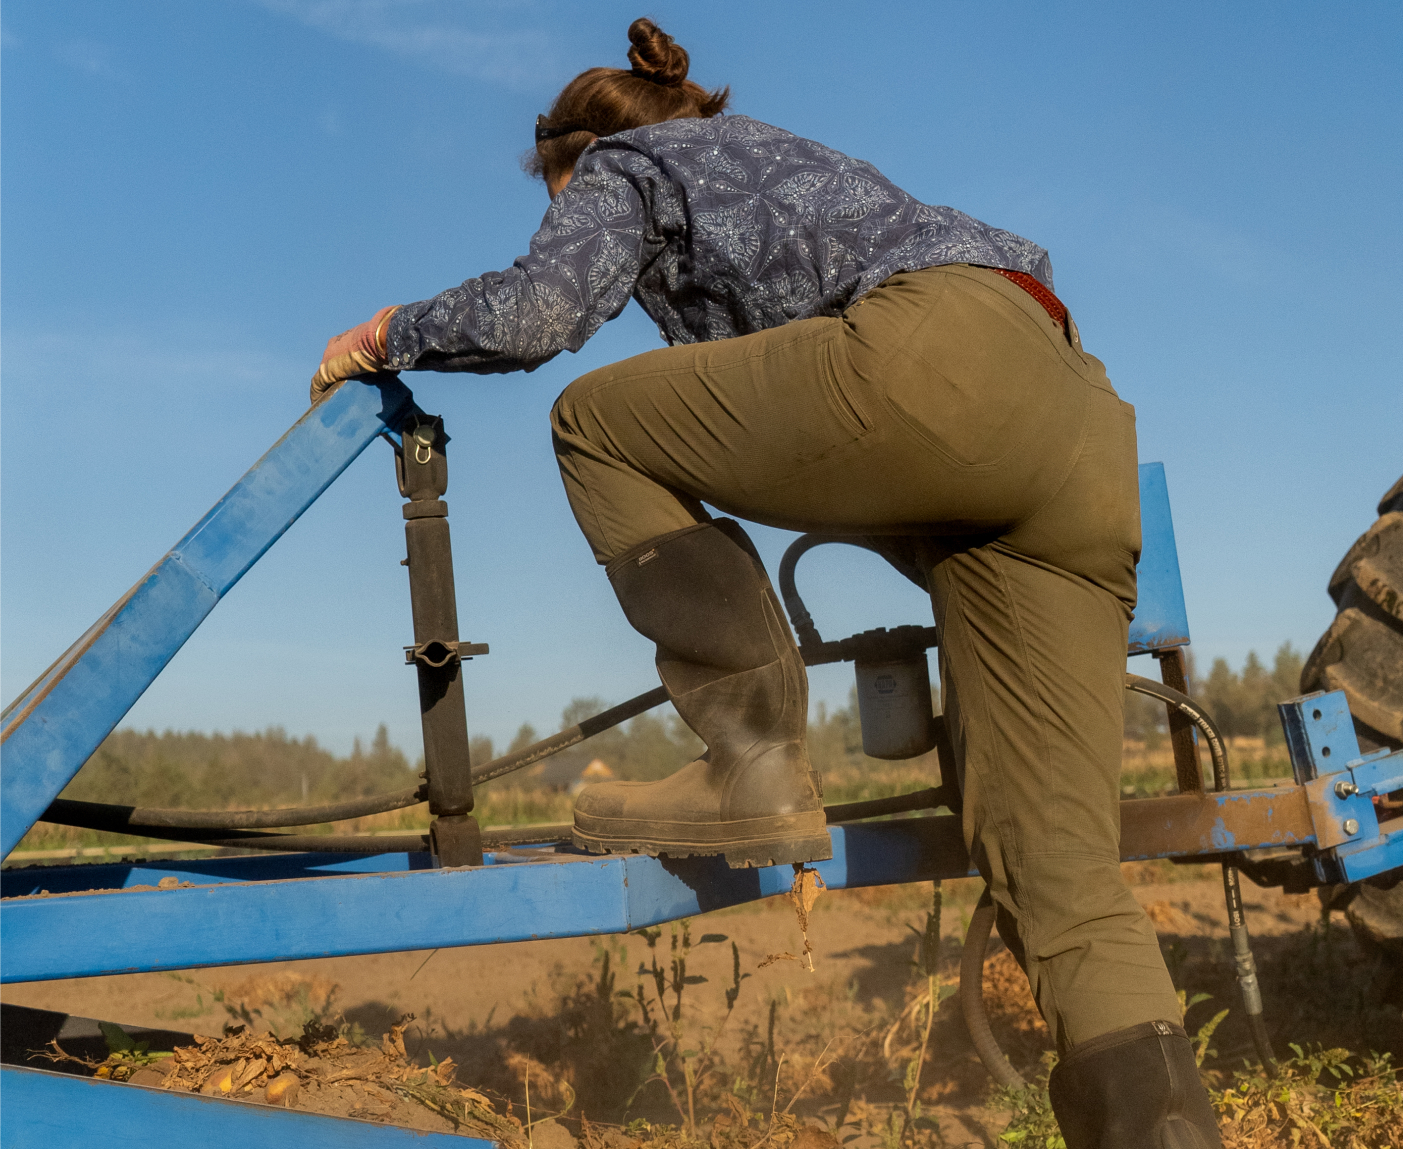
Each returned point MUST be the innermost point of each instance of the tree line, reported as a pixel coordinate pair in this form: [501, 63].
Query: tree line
[1242, 702]
[221, 771]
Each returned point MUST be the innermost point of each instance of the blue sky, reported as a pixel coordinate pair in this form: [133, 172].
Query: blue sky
[195, 196]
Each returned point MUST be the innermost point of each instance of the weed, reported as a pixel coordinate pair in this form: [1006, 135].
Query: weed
[1326, 1097]
[684, 1056]
[920, 1014]
[1032, 1125]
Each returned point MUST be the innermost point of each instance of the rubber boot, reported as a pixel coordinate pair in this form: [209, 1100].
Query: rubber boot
[732, 670]
[1135, 1088]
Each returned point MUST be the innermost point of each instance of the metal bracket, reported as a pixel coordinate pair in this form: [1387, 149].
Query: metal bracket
[880, 645]
[436, 653]
[1319, 733]
[1353, 844]
[456, 840]
[1340, 813]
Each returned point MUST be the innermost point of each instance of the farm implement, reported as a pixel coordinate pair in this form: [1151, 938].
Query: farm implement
[301, 896]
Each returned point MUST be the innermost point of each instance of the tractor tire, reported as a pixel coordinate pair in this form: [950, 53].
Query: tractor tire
[1362, 654]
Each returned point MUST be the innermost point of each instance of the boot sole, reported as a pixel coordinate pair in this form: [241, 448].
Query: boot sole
[790, 839]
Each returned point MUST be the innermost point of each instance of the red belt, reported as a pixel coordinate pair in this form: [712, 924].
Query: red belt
[1051, 304]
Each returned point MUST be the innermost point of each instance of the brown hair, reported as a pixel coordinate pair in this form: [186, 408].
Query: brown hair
[603, 101]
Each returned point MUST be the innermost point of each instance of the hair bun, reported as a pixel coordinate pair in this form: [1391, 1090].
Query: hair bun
[655, 55]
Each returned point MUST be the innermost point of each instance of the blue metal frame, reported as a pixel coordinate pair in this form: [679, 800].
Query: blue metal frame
[263, 909]
[1161, 619]
[54, 727]
[46, 1110]
[1340, 787]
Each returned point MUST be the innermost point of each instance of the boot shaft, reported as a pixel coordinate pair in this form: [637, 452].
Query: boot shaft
[699, 594]
[1134, 1088]
[734, 673]
[726, 656]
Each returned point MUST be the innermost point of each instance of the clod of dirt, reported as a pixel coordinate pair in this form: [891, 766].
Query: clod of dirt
[549, 1134]
[811, 1137]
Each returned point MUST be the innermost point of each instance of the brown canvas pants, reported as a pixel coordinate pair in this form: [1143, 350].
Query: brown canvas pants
[946, 414]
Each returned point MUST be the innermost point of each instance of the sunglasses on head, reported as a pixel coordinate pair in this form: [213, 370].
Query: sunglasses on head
[544, 131]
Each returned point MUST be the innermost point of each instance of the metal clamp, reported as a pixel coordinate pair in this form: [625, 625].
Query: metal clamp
[438, 653]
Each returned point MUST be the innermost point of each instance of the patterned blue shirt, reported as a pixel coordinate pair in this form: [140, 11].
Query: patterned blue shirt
[718, 227]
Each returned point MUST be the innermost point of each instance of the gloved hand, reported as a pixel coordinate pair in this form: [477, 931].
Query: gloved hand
[359, 351]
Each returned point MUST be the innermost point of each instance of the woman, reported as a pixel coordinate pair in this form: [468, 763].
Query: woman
[843, 358]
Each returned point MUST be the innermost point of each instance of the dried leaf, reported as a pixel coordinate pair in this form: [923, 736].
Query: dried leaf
[808, 884]
[803, 894]
[392, 1044]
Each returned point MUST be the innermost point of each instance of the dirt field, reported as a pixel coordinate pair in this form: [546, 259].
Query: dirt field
[498, 1010]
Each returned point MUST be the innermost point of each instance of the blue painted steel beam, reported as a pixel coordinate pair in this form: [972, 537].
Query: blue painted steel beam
[82, 935]
[26, 880]
[54, 727]
[46, 1110]
[1161, 618]
[558, 896]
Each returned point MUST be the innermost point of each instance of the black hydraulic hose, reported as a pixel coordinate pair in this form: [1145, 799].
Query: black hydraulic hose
[981, 925]
[327, 843]
[142, 819]
[1245, 963]
[927, 799]
[1217, 747]
[799, 616]
[1246, 966]
[118, 818]
[570, 736]
[96, 816]
[252, 839]
[393, 843]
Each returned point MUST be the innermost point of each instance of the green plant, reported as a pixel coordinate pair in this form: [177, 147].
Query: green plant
[1202, 1041]
[1032, 1124]
[1327, 1097]
[683, 1057]
[124, 1055]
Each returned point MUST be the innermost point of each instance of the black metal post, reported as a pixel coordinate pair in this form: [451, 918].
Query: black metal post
[437, 655]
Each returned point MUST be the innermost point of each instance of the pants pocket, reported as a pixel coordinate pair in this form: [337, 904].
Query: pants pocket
[838, 383]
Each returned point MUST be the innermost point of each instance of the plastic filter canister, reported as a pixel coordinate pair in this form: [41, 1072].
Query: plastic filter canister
[894, 707]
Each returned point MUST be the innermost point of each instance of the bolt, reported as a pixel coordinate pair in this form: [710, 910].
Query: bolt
[1351, 826]
[1344, 788]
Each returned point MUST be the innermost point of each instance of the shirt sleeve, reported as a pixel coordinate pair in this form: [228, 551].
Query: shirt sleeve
[583, 265]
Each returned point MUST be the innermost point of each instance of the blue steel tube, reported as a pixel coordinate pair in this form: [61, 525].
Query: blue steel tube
[54, 726]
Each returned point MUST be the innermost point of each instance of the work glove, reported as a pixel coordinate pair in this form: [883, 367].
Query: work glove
[359, 351]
